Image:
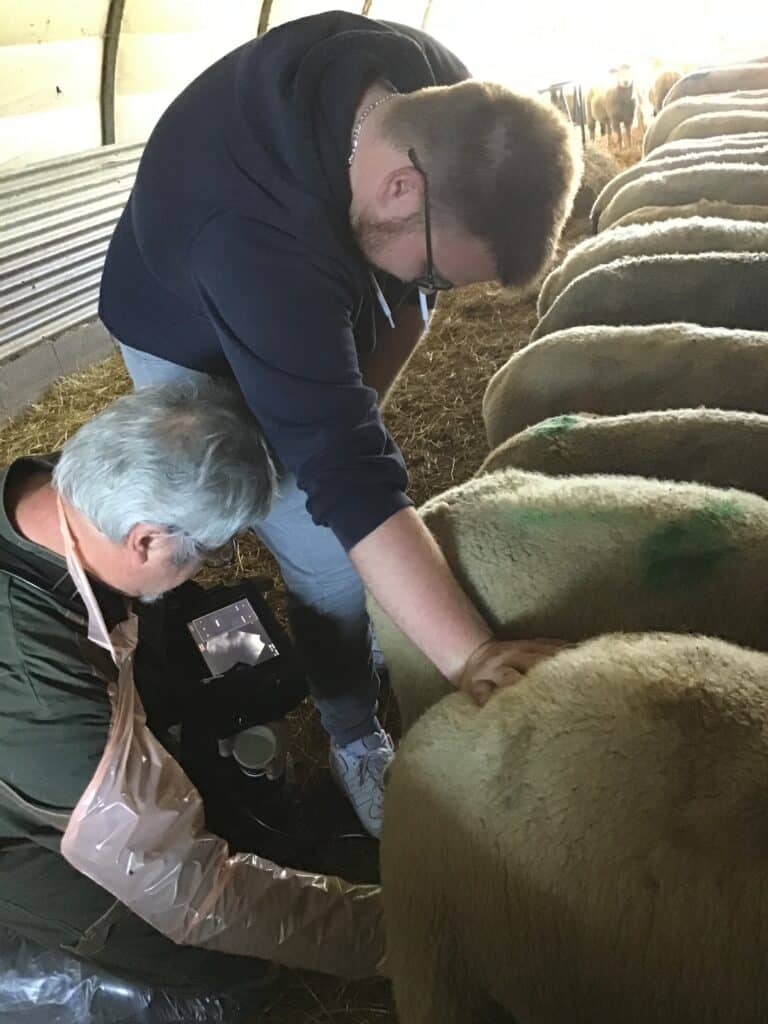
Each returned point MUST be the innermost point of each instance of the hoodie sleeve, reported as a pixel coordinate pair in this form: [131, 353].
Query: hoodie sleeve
[285, 326]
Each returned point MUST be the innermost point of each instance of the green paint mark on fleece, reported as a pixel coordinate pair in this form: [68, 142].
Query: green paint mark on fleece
[688, 552]
[555, 426]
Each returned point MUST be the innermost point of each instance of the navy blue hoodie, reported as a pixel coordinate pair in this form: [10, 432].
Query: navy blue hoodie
[234, 253]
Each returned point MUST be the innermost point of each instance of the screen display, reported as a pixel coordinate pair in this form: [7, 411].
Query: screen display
[233, 635]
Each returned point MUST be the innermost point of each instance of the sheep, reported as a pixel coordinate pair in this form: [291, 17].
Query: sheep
[661, 86]
[735, 78]
[707, 446]
[680, 235]
[737, 122]
[719, 103]
[590, 846]
[703, 208]
[599, 167]
[615, 370]
[574, 557]
[726, 182]
[611, 105]
[751, 155]
[711, 288]
[684, 147]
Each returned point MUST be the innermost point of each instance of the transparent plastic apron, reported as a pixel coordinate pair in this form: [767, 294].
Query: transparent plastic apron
[139, 832]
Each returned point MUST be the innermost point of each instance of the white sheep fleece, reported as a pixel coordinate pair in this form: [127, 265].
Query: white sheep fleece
[726, 155]
[718, 103]
[743, 183]
[682, 147]
[733, 122]
[705, 81]
[706, 446]
[713, 288]
[578, 556]
[616, 370]
[592, 839]
[677, 235]
[702, 208]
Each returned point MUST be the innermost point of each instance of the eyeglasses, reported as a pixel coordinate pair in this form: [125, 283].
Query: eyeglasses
[430, 282]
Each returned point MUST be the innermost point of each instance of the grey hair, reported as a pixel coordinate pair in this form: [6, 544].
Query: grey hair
[187, 456]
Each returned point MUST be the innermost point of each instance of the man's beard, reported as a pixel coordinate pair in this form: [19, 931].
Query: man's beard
[374, 237]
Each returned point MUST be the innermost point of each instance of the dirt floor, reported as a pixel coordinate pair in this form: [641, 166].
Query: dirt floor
[434, 415]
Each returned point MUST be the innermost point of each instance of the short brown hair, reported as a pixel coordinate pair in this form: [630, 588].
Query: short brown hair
[504, 167]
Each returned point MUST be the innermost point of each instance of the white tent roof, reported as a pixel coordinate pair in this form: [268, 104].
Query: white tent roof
[64, 89]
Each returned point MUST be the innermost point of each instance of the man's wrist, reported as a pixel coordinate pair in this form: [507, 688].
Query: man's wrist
[464, 660]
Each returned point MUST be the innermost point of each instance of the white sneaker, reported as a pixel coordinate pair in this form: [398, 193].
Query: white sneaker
[358, 769]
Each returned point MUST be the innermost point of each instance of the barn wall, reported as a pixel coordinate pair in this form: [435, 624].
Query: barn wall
[164, 44]
[50, 76]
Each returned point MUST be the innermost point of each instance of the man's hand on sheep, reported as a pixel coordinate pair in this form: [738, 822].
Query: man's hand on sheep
[498, 663]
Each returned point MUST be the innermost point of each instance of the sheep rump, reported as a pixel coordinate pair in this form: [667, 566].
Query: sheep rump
[703, 208]
[737, 183]
[718, 103]
[679, 235]
[617, 370]
[715, 143]
[651, 555]
[599, 827]
[715, 289]
[705, 126]
[735, 78]
[751, 155]
[704, 446]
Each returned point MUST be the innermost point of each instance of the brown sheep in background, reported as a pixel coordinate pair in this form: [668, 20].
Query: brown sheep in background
[660, 88]
[611, 106]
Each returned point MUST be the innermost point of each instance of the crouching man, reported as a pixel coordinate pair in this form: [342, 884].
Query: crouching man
[104, 850]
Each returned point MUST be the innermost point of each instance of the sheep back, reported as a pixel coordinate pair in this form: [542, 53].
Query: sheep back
[703, 208]
[706, 446]
[578, 556]
[736, 78]
[601, 828]
[751, 155]
[718, 103]
[678, 235]
[737, 183]
[615, 370]
[712, 288]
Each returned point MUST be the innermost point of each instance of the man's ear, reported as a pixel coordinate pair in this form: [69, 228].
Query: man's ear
[401, 192]
[145, 540]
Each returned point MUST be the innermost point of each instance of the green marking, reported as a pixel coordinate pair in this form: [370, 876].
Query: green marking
[689, 551]
[555, 426]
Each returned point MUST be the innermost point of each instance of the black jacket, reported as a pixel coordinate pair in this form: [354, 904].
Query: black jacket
[234, 252]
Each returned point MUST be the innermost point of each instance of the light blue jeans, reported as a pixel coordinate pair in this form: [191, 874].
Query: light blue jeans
[327, 600]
